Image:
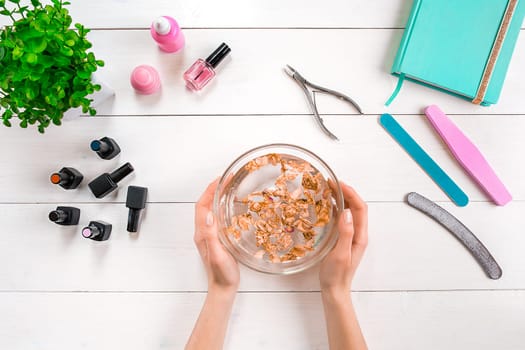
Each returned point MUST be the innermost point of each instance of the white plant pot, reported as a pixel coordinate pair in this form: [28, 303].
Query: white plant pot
[99, 97]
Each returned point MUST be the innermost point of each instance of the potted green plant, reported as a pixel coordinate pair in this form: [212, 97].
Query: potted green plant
[45, 65]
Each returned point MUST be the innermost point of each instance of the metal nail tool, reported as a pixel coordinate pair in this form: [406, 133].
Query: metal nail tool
[459, 230]
[303, 83]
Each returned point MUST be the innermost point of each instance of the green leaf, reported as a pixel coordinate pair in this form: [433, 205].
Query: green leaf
[61, 61]
[9, 43]
[66, 51]
[35, 77]
[5, 12]
[23, 123]
[14, 1]
[30, 93]
[7, 114]
[43, 17]
[51, 100]
[56, 120]
[61, 93]
[2, 53]
[7, 123]
[17, 53]
[36, 45]
[38, 26]
[26, 34]
[46, 61]
[84, 73]
[30, 58]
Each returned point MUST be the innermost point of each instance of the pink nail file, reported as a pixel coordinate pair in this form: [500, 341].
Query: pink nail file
[468, 156]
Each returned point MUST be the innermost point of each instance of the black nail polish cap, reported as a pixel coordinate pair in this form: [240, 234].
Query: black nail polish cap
[67, 178]
[106, 148]
[97, 230]
[135, 201]
[107, 183]
[218, 55]
[121, 172]
[66, 216]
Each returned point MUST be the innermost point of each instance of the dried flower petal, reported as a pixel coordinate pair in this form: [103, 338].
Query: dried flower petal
[284, 223]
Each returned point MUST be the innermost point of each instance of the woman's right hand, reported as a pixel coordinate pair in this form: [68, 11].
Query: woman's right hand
[221, 267]
[339, 266]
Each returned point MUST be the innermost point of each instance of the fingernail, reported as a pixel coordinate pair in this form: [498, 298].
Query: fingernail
[348, 216]
[209, 219]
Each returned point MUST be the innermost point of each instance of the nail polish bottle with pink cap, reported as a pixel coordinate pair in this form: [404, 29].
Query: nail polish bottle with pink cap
[166, 32]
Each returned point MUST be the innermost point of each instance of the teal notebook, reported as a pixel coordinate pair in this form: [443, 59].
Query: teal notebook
[450, 44]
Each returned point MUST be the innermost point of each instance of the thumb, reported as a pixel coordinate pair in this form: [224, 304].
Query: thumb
[345, 227]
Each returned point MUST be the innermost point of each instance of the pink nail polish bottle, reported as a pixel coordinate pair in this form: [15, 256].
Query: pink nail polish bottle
[202, 71]
[166, 32]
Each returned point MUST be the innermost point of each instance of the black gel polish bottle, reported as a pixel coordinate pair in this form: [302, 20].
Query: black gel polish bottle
[135, 201]
[97, 231]
[66, 216]
[106, 148]
[107, 183]
[68, 178]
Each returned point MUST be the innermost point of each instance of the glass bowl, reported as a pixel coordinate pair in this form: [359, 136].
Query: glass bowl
[277, 207]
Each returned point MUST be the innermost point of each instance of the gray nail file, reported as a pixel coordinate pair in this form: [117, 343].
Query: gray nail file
[460, 231]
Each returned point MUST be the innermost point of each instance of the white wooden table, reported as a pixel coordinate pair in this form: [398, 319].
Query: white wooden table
[417, 288]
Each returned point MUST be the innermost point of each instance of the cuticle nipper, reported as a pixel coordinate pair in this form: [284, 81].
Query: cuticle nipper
[303, 83]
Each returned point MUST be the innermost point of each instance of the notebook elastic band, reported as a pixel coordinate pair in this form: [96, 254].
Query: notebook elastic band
[496, 48]
[396, 90]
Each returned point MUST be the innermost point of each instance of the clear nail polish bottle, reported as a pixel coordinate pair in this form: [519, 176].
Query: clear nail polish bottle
[202, 71]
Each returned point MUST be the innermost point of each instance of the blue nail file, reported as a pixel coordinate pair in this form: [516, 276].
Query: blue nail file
[423, 159]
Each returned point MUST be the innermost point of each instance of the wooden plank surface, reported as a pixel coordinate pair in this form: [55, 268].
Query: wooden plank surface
[417, 288]
[106, 321]
[407, 251]
[252, 81]
[239, 13]
[177, 157]
[244, 14]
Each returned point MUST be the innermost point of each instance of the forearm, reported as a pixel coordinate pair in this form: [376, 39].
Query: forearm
[342, 325]
[211, 326]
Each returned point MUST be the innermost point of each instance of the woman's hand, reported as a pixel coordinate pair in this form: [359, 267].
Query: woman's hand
[337, 272]
[221, 267]
[223, 278]
[339, 266]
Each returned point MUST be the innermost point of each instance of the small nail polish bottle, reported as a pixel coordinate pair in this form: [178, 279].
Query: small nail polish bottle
[97, 231]
[166, 32]
[202, 71]
[106, 148]
[66, 216]
[68, 178]
[107, 183]
[135, 201]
